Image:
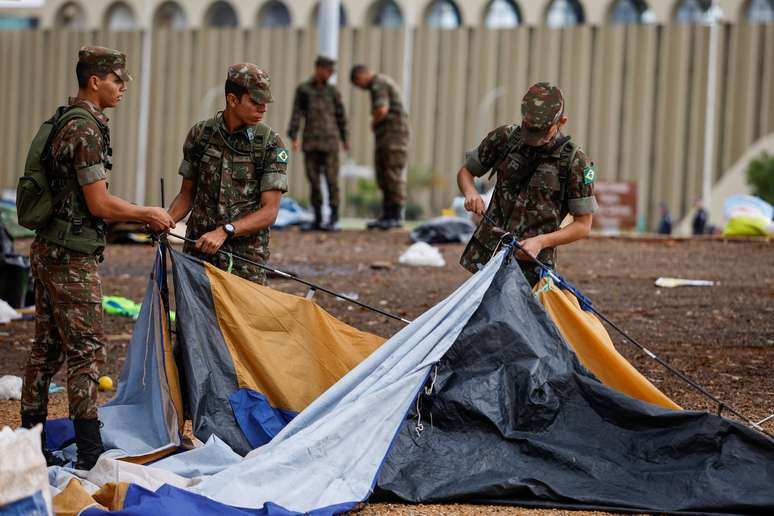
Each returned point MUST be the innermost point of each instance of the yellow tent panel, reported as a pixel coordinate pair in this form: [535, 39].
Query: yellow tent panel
[591, 342]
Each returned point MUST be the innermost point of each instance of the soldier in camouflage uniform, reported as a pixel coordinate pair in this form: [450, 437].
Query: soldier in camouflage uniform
[541, 177]
[234, 174]
[65, 253]
[325, 124]
[391, 138]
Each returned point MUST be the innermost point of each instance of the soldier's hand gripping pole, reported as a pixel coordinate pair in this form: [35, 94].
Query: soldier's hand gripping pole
[586, 304]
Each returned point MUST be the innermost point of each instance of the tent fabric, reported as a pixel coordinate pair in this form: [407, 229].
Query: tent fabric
[329, 455]
[148, 387]
[327, 458]
[212, 457]
[507, 414]
[593, 346]
[283, 346]
[74, 498]
[259, 421]
[254, 357]
[515, 416]
[170, 500]
[60, 432]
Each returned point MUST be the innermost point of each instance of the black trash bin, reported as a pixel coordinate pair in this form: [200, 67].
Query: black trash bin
[14, 279]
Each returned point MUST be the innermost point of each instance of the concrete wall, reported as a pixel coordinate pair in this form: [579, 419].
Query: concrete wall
[635, 95]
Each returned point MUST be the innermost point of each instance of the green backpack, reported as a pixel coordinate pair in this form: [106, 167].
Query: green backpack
[35, 201]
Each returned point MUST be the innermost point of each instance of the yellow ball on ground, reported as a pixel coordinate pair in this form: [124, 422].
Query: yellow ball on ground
[105, 383]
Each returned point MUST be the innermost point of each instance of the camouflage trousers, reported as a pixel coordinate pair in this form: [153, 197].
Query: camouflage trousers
[68, 328]
[325, 164]
[390, 164]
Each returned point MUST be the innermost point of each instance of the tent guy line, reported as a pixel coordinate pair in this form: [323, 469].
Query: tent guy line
[508, 240]
[309, 284]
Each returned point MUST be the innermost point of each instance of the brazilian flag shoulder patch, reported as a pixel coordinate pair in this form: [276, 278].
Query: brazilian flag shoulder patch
[589, 174]
[282, 155]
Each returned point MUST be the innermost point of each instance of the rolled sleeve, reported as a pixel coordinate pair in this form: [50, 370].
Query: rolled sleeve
[473, 163]
[91, 174]
[189, 163]
[274, 181]
[580, 195]
[186, 170]
[491, 149]
[84, 139]
[381, 102]
[582, 205]
[380, 97]
[275, 175]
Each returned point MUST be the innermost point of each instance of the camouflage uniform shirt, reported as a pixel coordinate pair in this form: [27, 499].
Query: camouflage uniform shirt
[229, 179]
[527, 198]
[79, 151]
[393, 131]
[325, 121]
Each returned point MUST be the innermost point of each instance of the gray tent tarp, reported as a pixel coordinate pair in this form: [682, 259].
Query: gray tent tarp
[515, 418]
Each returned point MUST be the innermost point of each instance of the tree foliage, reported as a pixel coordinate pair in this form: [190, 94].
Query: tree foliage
[760, 177]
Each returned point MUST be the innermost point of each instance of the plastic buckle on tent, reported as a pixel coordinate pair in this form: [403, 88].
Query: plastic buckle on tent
[310, 293]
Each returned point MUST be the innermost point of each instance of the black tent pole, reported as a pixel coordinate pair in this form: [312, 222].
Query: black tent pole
[163, 245]
[586, 303]
[293, 277]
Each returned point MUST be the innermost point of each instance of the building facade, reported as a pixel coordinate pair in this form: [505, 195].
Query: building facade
[445, 14]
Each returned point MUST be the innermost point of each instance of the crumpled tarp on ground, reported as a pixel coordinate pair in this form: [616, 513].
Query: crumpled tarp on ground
[516, 418]
[443, 230]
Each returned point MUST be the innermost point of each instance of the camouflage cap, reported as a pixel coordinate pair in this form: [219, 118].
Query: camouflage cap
[541, 108]
[325, 62]
[255, 80]
[105, 59]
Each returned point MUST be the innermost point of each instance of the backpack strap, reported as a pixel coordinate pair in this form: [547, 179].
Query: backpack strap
[63, 116]
[514, 140]
[201, 143]
[567, 156]
[260, 144]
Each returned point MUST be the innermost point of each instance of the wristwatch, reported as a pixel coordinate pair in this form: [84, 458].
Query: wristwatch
[229, 229]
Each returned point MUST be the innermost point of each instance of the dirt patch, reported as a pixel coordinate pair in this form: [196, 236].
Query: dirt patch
[722, 336]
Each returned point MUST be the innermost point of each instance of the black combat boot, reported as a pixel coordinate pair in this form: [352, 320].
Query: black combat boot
[317, 225]
[379, 221]
[28, 421]
[333, 221]
[393, 218]
[89, 442]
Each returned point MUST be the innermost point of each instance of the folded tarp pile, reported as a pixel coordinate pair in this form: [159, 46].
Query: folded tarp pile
[480, 399]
